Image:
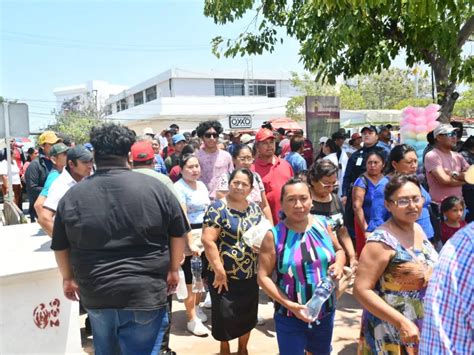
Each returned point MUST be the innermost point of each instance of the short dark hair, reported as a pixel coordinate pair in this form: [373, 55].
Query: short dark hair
[244, 171]
[396, 154]
[320, 169]
[206, 125]
[449, 202]
[430, 138]
[332, 145]
[239, 148]
[377, 153]
[111, 140]
[396, 182]
[186, 154]
[292, 181]
[281, 130]
[296, 143]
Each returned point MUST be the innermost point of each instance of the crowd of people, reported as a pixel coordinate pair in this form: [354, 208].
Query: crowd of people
[127, 212]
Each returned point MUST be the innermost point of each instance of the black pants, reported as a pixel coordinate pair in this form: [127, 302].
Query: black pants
[166, 337]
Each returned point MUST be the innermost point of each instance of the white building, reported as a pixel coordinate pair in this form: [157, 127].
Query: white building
[188, 97]
[93, 91]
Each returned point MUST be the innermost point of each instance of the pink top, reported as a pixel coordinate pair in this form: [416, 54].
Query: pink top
[213, 165]
[450, 162]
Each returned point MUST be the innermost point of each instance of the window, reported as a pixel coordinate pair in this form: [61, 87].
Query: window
[122, 105]
[150, 93]
[229, 87]
[108, 109]
[263, 88]
[138, 98]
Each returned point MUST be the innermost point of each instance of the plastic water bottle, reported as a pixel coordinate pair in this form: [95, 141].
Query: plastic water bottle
[196, 270]
[321, 294]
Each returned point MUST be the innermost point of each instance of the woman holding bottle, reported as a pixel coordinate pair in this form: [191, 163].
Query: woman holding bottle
[305, 251]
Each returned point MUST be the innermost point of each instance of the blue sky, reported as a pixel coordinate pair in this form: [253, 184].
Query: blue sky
[48, 44]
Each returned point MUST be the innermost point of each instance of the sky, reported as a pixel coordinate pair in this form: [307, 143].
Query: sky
[49, 44]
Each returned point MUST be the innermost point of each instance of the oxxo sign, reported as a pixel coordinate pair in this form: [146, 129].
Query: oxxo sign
[240, 121]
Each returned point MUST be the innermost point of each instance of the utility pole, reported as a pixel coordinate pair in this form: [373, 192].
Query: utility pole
[9, 152]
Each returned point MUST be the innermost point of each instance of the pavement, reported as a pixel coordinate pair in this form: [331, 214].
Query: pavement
[263, 337]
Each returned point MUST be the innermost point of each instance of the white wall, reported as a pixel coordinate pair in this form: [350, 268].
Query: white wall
[193, 87]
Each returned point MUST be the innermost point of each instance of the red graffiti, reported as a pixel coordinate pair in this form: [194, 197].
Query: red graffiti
[42, 316]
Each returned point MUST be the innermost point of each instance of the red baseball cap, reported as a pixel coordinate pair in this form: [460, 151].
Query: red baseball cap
[356, 136]
[142, 151]
[263, 134]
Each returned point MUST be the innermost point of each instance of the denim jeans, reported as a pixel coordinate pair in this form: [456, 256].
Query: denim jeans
[294, 336]
[119, 331]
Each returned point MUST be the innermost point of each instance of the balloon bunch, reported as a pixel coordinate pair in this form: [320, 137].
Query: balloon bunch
[416, 123]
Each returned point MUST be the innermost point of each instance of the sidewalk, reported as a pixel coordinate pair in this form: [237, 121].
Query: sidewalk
[263, 338]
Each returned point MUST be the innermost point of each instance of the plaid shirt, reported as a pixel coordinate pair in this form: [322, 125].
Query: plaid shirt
[448, 326]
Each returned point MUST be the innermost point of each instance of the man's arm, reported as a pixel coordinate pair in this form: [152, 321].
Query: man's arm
[346, 181]
[33, 180]
[45, 219]
[70, 287]
[443, 178]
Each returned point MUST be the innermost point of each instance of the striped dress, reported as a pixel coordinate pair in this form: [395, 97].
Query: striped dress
[302, 261]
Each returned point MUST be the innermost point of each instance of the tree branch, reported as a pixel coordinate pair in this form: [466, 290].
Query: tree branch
[465, 31]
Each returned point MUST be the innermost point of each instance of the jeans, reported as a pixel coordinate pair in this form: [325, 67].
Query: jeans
[120, 331]
[294, 336]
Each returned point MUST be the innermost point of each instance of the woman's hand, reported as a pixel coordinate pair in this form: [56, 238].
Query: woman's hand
[336, 271]
[409, 332]
[195, 250]
[300, 311]
[220, 281]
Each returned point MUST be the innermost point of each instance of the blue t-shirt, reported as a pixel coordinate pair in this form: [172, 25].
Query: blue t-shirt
[160, 166]
[53, 175]
[296, 161]
[369, 188]
[379, 214]
[196, 201]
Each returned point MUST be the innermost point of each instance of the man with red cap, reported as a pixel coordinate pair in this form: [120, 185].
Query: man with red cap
[274, 171]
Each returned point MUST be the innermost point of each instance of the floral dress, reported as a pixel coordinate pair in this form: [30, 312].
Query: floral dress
[402, 285]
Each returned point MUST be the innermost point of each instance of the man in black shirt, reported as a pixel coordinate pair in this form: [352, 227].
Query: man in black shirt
[118, 243]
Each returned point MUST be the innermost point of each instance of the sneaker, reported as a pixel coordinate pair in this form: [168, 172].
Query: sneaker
[201, 315]
[207, 301]
[197, 328]
[260, 320]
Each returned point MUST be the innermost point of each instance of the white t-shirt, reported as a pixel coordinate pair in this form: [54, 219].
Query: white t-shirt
[15, 172]
[196, 201]
[58, 189]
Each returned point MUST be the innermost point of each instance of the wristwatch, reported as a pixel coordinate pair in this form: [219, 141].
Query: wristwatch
[454, 174]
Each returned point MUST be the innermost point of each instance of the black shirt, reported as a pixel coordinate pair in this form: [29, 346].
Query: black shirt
[332, 210]
[117, 225]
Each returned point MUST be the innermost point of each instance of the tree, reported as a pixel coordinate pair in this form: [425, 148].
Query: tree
[76, 118]
[413, 101]
[349, 99]
[349, 37]
[386, 89]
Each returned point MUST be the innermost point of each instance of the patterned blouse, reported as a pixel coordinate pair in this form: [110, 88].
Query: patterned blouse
[302, 261]
[239, 260]
[402, 285]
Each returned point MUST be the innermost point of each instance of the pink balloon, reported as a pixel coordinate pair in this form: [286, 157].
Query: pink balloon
[432, 125]
[431, 117]
[410, 127]
[421, 129]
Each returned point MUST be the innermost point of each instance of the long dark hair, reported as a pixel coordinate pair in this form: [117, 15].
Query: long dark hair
[396, 182]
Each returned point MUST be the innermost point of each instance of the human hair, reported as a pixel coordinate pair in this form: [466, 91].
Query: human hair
[186, 154]
[333, 147]
[449, 202]
[65, 138]
[281, 130]
[377, 153]
[111, 140]
[243, 171]
[430, 138]
[296, 143]
[239, 148]
[460, 129]
[396, 154]
[468, 144]
[320, 169]
[292, 181]
[396, 182]
[206, 125]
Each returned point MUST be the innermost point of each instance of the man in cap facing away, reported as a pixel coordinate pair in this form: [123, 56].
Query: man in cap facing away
[118, 241]
[78, 167]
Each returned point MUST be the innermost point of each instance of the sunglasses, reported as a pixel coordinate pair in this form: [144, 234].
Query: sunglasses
[213, 135]
[451, 134]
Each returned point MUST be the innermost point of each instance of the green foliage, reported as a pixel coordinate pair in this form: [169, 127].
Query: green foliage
[465, 105]
[413, 101]
[357, 37]
[76, 118]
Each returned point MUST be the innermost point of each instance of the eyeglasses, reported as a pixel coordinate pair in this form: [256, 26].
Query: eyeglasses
[450, 134]
[405, 202]
[245, 159]
[213, 135]
[329, 186]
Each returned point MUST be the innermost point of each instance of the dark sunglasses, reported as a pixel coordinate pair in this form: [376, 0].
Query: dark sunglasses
[451, 134]
[209, 135]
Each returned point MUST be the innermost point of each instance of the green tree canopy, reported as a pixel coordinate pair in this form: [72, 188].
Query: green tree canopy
[354, 37]
[465, 105]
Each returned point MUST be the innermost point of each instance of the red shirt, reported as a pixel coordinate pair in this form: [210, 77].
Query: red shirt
[448, 231]
[274, 176]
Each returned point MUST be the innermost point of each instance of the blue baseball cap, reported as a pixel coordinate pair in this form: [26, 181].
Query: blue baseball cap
[178, 138]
